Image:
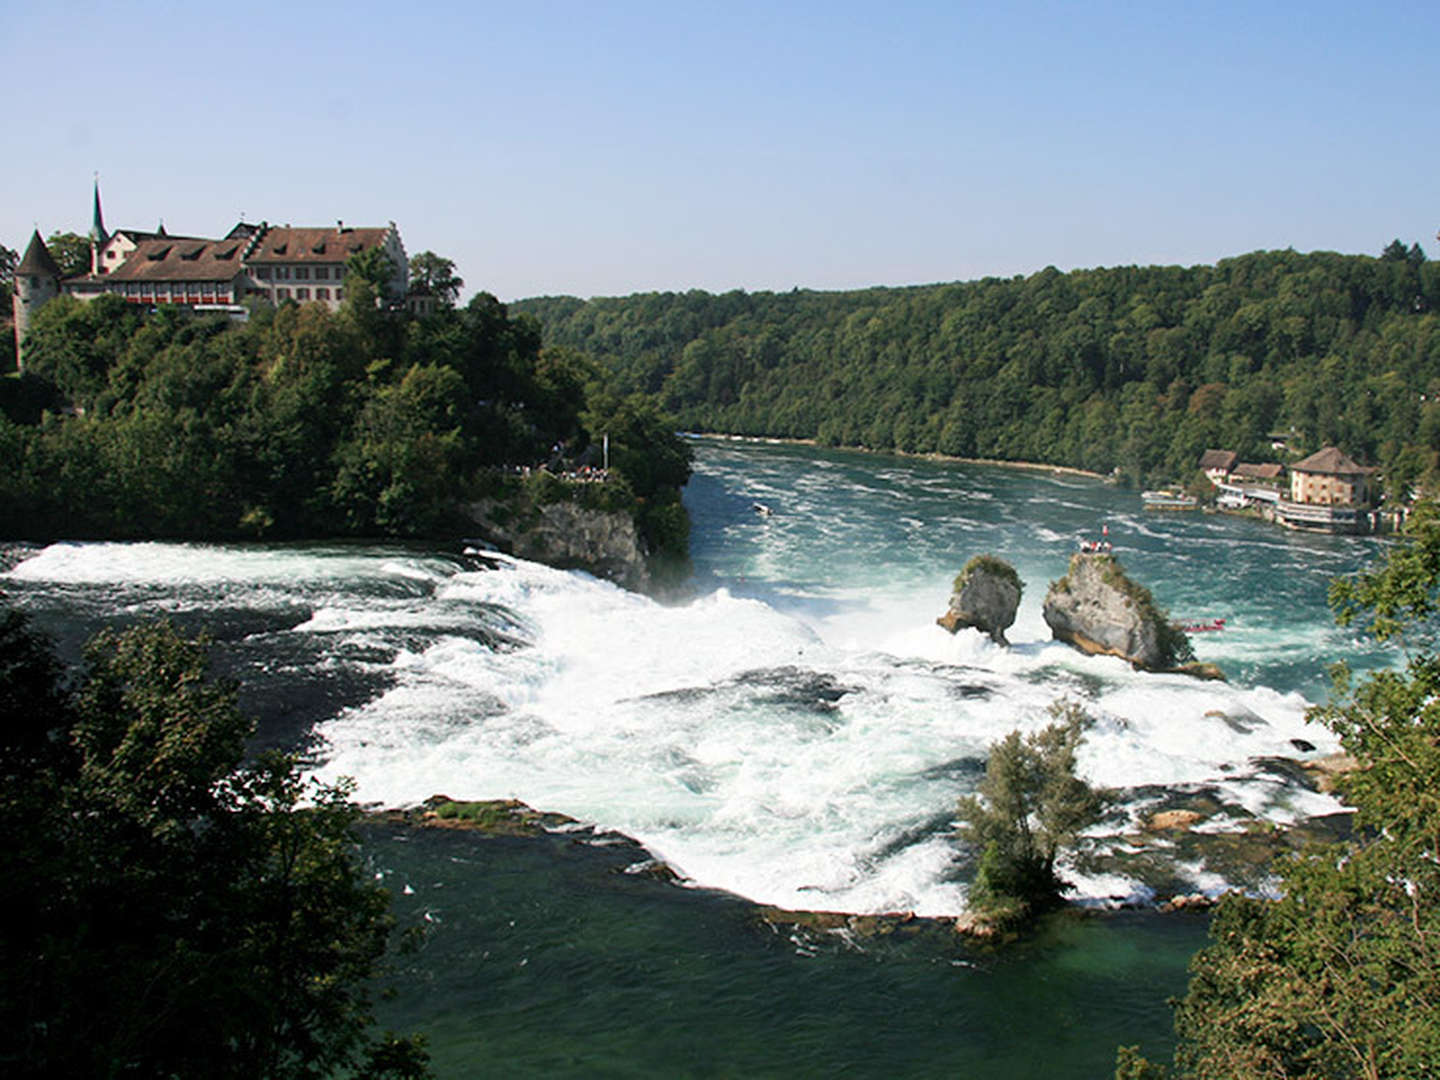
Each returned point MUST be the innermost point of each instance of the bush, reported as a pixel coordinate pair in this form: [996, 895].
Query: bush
[1028, 807]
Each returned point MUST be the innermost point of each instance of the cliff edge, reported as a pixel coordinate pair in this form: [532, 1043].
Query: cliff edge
[567, 536]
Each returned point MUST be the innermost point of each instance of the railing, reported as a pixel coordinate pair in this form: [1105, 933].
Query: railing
[1319, 516]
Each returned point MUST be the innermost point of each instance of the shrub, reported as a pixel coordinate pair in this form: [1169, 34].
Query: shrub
[990, 564]
[1028, 807]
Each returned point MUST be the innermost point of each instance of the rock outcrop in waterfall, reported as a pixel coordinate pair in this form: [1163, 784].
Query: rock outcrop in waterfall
[567, 536]
[986, 596]
[1096, 608]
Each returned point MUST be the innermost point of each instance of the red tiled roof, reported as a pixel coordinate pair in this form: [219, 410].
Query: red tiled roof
[1331, 462]
[284, 244]
[1267, 470]
[168, 258]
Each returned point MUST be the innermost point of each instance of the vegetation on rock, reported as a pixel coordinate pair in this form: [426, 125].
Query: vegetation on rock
[172, 909]
[989, 564]
[985, 596]
[1340, 977]
[1027, 808]
[1172, 649]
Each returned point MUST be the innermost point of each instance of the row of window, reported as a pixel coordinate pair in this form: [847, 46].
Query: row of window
[207, 289]
[211, 290]
[300, 273]
[284, 293]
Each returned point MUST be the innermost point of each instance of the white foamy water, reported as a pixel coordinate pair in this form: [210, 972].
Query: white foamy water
[799, 731]
[802, 761]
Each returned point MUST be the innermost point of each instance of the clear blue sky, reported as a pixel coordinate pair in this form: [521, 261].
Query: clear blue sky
[605, 148]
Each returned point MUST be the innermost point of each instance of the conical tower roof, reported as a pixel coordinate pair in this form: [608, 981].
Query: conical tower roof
[97, 219]
[38, 262]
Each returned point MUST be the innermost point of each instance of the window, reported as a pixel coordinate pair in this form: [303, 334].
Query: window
[302, 273]
[263, 273]
[339, 294]
[322, 273]
[302, 294]
[282, 294]
[322, 294]
[283, 273]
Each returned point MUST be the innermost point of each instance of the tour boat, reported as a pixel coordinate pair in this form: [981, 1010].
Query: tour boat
[1168, 500]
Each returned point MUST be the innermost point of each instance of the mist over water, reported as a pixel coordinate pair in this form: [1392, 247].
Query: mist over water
[796, 731]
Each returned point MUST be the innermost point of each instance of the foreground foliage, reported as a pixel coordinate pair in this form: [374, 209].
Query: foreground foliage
[171, 911]
[1341, 977]
[1028, 807]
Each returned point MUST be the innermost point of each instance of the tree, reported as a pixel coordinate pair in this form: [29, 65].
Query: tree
[373, 267]
[648, 454]
[176, 912]
[1029, 806]
[72, 345]
[70, 251]
[1340, 977]
[8, 261]
[402, 470]
[1395, 251]
[436, 275]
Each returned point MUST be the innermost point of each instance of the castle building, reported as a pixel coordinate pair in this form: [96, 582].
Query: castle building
[273, 263]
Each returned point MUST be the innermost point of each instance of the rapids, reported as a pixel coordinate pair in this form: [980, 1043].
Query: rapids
[797, 730]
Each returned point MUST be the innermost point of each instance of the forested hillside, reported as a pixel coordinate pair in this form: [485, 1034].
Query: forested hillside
[1140, 368]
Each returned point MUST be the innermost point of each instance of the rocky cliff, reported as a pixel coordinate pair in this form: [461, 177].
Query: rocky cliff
[1096, 608]
[986, 596]
[567, 536]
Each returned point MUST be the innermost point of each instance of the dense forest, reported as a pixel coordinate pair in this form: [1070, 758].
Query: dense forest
[1135, 368]
[306, 423]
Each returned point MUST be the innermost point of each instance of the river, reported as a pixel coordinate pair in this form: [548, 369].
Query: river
[795, 732]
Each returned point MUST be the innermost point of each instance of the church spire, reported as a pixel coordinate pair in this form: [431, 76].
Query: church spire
[97, 223]
[98, 235]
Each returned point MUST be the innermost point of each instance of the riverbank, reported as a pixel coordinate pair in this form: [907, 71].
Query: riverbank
[770, 440]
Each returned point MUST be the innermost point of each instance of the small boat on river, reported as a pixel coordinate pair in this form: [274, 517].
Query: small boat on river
[1168, 500]
[1202, 626]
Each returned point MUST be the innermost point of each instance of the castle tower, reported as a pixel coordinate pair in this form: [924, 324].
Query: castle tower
[37, 282]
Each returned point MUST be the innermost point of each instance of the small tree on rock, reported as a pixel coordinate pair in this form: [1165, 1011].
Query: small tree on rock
[1029, 806]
